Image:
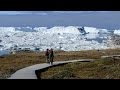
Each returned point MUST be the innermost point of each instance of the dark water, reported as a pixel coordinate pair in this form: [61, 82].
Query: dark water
[4, 52]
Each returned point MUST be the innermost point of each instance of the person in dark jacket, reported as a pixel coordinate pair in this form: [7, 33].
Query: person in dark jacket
[47, 56]
[51, 56]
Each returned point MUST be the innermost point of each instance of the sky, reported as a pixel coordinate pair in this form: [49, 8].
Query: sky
[99, 19]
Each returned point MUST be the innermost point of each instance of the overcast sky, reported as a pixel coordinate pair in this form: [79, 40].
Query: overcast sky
[99, 19]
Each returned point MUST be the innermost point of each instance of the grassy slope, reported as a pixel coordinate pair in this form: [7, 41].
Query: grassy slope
[99, 69]
[12, 63]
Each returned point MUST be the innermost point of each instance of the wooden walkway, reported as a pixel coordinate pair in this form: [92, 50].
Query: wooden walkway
[29, 72]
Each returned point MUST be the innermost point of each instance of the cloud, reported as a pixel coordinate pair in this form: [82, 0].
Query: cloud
[9, 12]
[21, 12]
[43, 12]
[66, 11]
[40, 13]
[47, 12]
[80, 11]
[13, 12]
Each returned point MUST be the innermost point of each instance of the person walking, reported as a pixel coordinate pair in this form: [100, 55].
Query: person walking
[47, 56]
[51, 56]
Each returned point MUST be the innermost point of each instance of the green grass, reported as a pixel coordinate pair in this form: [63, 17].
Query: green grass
[99, 69]
[10, 64]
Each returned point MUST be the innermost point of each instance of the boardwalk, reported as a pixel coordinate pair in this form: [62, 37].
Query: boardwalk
[29, 72]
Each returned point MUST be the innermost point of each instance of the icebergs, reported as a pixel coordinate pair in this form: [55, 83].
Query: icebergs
[91, 30]
[117, 32]
[7, 29]
[39, 29]
[91, 36]
[103, 31]
[62, 30]
[70, 38]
